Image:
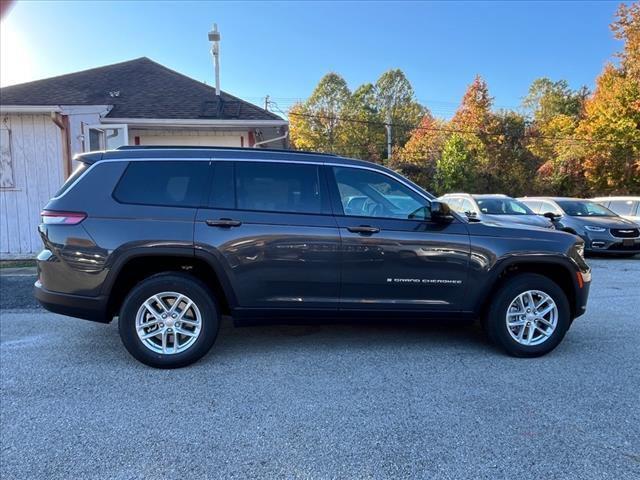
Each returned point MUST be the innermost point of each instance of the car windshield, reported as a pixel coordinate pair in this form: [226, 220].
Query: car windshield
[584, 208]
[502, 206]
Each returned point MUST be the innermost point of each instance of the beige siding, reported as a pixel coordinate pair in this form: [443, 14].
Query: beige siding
[36, 151]
[200, 138]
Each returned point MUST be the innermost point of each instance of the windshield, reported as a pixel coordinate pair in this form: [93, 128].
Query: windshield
[502, 206]
[584, 208]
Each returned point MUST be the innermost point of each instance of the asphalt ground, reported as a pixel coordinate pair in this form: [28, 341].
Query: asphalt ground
[328, 401]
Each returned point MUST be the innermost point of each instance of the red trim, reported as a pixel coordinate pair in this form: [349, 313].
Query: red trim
[241, 141]
[252, 139]
[136, 140]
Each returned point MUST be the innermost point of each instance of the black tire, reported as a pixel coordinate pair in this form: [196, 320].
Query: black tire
[179, 283]
[495, 319]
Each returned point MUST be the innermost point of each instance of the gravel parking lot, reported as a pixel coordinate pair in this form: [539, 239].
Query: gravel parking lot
[331, 401]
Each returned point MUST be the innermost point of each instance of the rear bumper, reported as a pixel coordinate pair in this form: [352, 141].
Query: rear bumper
[87, 308]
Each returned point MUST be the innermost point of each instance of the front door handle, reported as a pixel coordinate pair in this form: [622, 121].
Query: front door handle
[364, 229]
[224, 222]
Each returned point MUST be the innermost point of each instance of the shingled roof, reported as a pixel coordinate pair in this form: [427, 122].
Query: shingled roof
[139, 88]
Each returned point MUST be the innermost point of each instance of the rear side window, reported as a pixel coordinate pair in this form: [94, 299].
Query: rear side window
[533, 205]
[623, 207]
[171, 183]
[278, 187]
[72, 178]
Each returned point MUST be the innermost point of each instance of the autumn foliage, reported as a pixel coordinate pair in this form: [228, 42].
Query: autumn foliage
[562, 142]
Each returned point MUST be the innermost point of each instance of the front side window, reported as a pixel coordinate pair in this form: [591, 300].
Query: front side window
[165, 183]
[278, 187]
[581, 208]
[502, 206]
[364, 193]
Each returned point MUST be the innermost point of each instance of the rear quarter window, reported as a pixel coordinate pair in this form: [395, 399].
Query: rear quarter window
[163, 183]
[77, 173]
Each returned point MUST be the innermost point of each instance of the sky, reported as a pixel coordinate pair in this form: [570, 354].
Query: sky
[283, 49]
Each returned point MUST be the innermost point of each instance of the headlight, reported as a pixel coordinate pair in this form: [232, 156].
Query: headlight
[593, 228]
[580, 250]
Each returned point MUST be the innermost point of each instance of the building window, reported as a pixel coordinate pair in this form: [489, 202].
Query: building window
[7, 177]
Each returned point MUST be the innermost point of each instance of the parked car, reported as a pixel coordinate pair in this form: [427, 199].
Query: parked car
[169, 239]
[495, 208]
[626, 207]
[601, 229]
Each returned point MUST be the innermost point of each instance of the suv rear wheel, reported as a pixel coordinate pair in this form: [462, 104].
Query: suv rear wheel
[529, 316]
[169, 320]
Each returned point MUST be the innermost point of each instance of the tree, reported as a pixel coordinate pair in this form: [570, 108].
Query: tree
[611, 129]
[556, 110]
[611, 124]
[362, 134]
[547, 98]
[314, 124]
[476, 123]
[418, 157]
[626, 27]
[396, 101]
[456, 168]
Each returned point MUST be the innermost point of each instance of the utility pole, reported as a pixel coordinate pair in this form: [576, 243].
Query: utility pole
[214, 38]
[388, 128]
[266, 102]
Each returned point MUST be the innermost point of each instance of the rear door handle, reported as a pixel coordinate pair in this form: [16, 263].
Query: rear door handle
[364, 229]
[224, 222]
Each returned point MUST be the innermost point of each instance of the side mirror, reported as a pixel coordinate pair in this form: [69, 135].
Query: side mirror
[440, 212]
[551, 216]
[471, 214]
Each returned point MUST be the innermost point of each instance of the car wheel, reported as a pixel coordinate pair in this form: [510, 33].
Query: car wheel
[529, 316]
[169, 320]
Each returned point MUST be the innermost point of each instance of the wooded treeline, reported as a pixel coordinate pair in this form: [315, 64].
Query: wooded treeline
[561, 141]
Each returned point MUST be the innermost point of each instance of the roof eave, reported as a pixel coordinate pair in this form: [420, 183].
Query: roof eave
[196, 122]
[30, 108]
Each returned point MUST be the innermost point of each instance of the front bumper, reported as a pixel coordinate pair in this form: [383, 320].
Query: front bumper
[79, 306]
[604, 242]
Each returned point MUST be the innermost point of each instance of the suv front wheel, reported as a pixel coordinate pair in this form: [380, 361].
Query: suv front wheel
[169, 320]
[529, 315]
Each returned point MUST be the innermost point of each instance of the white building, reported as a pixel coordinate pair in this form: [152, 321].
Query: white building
[139, 102]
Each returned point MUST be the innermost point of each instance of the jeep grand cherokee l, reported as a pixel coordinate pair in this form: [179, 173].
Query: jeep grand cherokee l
[170, 239]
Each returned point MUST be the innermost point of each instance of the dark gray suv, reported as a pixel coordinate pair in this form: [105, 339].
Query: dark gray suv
[170, 239]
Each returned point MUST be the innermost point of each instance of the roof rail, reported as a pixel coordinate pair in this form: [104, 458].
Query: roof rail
[242, 149]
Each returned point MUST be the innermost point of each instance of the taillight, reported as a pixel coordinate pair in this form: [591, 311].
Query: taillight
[50, 217]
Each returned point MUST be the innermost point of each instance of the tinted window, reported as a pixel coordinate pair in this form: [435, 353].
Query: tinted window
[222, 192]
[502, 206]
[583, 208]
[278, 187]
[175, 184]
[72, 178]
[623, 207]
[364, 193]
